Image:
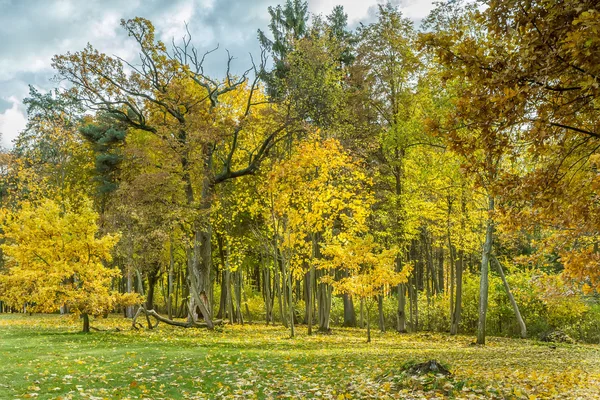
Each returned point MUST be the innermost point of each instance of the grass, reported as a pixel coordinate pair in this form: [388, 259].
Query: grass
[43, 356]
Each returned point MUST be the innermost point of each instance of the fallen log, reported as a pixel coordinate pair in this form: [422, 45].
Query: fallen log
[160, 318]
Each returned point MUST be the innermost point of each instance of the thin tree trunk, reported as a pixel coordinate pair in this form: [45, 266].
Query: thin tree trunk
[380, 309]
[129, 309]
[228, 297]
[458, 305]
[224, 279]
[368, 324]
[277, 283]
[362, 313]
[349, 313]
[291, 305]
[267, 294]
[309, 298]
[511, 298]
[170, 280]
[237, 281]
[484, 279]
[324, 298]
[401, 317]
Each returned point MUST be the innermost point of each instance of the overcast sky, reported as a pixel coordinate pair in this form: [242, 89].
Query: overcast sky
[32, 31]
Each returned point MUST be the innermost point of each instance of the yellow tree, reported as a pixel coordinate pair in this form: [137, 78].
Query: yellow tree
[317, 194]
[372, 270]
[54, 258]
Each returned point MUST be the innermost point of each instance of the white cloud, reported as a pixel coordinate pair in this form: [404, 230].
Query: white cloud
[46, 28]
[358, 10]
[416, 9]
[172, 25]
[12, 121]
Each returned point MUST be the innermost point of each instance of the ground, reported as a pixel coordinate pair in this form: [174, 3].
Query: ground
[44, 357]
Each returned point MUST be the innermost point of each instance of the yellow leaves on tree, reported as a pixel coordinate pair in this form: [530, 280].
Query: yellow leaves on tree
[319, 191]
[54, 258]
[372, 269]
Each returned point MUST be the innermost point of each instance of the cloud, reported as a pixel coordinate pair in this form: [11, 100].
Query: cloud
[33, 31]
[12, 121]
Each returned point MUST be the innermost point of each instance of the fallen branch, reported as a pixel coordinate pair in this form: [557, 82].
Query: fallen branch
[104, 330]
[160, 318]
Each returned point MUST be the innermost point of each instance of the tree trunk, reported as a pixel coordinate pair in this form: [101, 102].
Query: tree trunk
[200, 253]
[349, 314]
[309, 298]
[401, 317]
[324, 300]
[380, 309]
[129, 309]
[222, 313]
[484, 280]
[458, 300]
[152, 278]
[368, 324]
[291, 305]
[362, 313]
[306, 294]
[237, 283]
[86, 323]
[512, 299]
[278, 290]
[170, 280]
[267, 294]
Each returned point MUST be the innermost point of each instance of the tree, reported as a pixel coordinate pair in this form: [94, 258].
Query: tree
[471, 129]
[319, 195]
[385, 76]
[53, 258]
[200, 119]
[288, 24]
[372, 270]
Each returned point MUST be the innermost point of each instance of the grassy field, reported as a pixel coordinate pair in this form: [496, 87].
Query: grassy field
[44, 357]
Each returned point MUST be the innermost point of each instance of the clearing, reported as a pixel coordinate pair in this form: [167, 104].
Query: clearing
[43, 357]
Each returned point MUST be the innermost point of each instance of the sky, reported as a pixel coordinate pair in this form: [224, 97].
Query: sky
[32, 31]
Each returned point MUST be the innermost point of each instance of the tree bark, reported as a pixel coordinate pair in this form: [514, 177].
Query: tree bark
[129, 309]
[152, 278]
[368, 324]
[237, 283]
[401, 317]
[160, 318]
[86, 323]
[324, 299]
[349, 313]
[291, 305]
[511, 298]
[362, 313]
[223, 304]
[484, 279]
[380, 309]
[170, 279]
[309, 298]
[458, 299]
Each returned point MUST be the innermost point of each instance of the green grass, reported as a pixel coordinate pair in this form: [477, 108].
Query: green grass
[44, 357]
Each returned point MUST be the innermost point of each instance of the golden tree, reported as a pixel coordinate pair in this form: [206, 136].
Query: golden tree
[54, 258]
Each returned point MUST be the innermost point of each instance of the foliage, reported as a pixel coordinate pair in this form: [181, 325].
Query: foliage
[53, 258]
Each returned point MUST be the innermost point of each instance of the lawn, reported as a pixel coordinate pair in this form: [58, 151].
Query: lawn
[44, 357]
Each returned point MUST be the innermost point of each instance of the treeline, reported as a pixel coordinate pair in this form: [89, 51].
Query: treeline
[413, 177]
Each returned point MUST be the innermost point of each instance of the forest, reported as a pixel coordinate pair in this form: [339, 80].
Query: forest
[436, 181]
